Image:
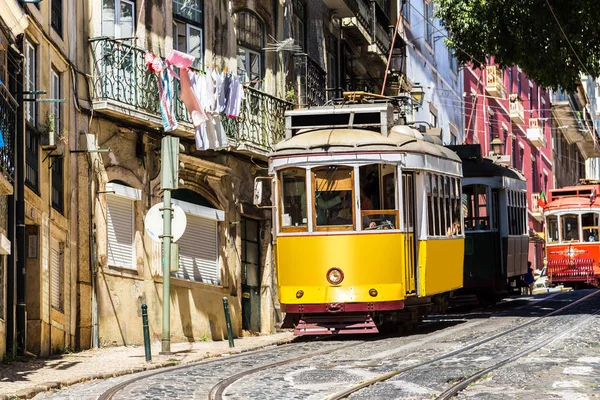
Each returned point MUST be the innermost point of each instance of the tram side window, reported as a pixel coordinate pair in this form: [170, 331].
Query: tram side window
[443, 205]
[456, 205]
[378, 203]
[333, 190]
[552, 229]
[589, 225]
[517, 213]
[293, 198]
[570, 227]
[476, 218]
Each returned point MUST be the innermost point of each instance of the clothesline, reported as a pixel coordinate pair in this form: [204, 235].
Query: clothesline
[208, 96]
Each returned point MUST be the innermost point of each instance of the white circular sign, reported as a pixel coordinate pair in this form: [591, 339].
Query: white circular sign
[154, 222]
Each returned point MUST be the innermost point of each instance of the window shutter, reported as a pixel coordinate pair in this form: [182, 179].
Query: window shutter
[198, 251]
[119, 229]
[56, 276]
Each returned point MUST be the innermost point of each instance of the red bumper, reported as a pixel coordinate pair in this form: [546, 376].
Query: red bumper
[342, 307]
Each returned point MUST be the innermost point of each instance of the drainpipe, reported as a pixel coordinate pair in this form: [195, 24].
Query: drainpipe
[92, 252]
[21, 312]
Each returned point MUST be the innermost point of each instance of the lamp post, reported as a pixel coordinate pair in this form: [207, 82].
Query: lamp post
[497, 145]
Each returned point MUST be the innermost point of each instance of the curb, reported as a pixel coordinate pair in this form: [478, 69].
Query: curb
[30, 393]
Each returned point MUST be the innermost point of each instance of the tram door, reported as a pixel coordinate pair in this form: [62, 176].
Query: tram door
[408, 209]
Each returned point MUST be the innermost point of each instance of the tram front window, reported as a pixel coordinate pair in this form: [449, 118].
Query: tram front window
[333, 204]
[570, 227]
[378, 189]
[293, 198]
[552, 228]
[589, 225]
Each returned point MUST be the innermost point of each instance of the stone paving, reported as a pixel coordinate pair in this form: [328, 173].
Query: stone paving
[565, 369]
[26, 379]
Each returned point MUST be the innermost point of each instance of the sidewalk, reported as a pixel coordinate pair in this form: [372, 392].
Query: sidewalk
[24, 380]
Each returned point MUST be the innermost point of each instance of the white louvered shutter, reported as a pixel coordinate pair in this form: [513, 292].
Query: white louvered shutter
[119, 231]
[198, 251]
[56, 276]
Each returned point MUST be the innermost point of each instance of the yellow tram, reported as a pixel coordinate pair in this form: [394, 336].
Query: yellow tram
[368, 219]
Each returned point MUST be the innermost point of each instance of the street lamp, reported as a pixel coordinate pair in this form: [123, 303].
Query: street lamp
[497, 146]
[417, 93]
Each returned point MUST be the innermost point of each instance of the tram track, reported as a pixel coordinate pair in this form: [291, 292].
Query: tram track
[217, 390]
[478, 375]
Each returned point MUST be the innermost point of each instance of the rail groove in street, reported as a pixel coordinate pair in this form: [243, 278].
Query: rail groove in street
[464, 383]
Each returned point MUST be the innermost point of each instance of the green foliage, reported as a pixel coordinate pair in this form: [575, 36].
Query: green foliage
[525, 33]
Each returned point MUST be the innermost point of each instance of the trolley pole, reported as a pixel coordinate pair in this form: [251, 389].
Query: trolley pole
[169, 181]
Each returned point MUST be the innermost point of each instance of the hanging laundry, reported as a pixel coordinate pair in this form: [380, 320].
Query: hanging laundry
[189, 98]
[2, 144]
[220, 99]
[224, 96]
[179, 59]
[234, 103]
[208, 99]
[167, 103]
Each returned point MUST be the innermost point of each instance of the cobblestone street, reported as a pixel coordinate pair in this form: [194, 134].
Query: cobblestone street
[566, 367]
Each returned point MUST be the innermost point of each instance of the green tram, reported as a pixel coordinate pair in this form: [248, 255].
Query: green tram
[494, 201]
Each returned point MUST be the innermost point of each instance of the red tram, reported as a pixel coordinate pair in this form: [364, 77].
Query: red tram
[572, 242]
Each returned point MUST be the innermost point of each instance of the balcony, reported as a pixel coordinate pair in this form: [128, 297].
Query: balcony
[8, 118]
[312, 81]
[516, 111]
[535, 133]
[123, 88]
[494, 84]
[535, 208]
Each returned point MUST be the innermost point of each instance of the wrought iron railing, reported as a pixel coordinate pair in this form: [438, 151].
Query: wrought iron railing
[262, 119]
[8, 119]
[120, 74]
[381, 22]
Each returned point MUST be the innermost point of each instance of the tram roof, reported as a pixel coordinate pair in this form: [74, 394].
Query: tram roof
[579, 196]
[401, 138]
[484, 167]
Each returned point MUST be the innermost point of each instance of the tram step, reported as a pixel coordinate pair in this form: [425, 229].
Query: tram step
[335, 325]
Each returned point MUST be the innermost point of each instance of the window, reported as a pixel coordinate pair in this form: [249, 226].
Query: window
[505, 139]
[473, 116]
[491, 128]
[510, 80]
[433, 115]
[56, 16]
[57, 275]
[118, 18]
[120, 225]
[332, 79]
[518, 83]
[530, 99]
[513, 151]
[453, 140]
[517, 212]
[552, 229]
[428, 6]
[300, 23]
[292, 189]
[30, 82]
[521, 157]
[452, 61]
[570, 227]
[534, 178]
[406, 10]
[589, 226]
[199, 246]
[443, 205]
[32, 159]
[188, 26]
[378, 200]
[476, 212]
[250, 44]
[333, 204]
[58, 192]
[56, 94]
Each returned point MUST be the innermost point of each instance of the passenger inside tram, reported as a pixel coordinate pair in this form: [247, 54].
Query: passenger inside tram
[570, 228]
[589, 222]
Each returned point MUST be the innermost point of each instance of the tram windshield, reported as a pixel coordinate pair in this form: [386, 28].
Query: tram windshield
[570, 227]
[293, 198]
[552, 229]
[476, 215]
[378, 196]
[589, 225]
[333, 189]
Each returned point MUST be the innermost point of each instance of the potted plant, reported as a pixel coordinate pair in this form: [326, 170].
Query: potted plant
[48, 137]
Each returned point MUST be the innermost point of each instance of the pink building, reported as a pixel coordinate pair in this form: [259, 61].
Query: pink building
[505, 104]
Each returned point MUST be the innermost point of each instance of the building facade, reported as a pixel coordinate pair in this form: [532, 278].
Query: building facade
[504, 104]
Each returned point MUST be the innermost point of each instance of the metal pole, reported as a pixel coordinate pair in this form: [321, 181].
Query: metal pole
[166, 259]
[228, 322]
[146, 332]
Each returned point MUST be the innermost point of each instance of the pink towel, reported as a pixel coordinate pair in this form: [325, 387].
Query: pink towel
[179, 59]
[190, 100]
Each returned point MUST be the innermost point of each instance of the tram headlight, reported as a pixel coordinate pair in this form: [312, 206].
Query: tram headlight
[335, 276]
[299, 293]
[373, 292]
